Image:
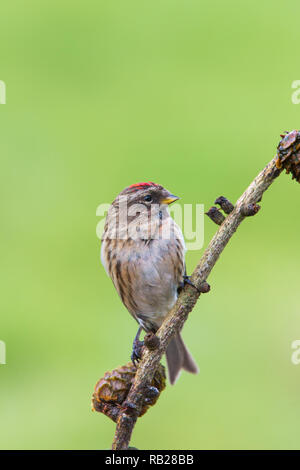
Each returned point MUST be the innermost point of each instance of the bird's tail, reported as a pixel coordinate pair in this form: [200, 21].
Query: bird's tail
[178, 357]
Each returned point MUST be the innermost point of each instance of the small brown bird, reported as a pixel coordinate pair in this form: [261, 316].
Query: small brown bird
[143, 252]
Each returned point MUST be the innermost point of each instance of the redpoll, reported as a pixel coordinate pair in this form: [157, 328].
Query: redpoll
[143, 252]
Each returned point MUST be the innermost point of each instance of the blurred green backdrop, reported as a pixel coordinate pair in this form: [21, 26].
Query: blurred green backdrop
[190, 94]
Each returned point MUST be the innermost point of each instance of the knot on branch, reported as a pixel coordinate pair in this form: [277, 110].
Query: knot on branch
[111, 391]
[204, 287]
[151, 341]
[249, 210]
[130, 409]
[288, 154]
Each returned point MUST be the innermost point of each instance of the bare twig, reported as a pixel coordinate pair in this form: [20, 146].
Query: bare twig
[215, 215]
[245, 206]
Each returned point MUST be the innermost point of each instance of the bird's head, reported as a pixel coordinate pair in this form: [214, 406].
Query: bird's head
[141, 208]
[148, 194]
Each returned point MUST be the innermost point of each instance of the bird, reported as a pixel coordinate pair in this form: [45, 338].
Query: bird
[143, 252]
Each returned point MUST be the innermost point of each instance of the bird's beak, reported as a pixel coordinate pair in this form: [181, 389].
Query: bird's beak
[169, 199]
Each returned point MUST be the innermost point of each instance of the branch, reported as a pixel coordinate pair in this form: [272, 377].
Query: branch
[288, 157]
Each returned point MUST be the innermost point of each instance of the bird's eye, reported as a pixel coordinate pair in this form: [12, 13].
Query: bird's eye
[148, 198]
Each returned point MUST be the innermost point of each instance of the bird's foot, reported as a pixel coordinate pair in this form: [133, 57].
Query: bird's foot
[204, 287]
[137, 349]
[187, 280]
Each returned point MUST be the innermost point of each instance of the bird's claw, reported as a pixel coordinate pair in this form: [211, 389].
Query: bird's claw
[136, 354]
[187, 280]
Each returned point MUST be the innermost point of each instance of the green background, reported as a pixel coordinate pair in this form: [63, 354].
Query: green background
[192, 95]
